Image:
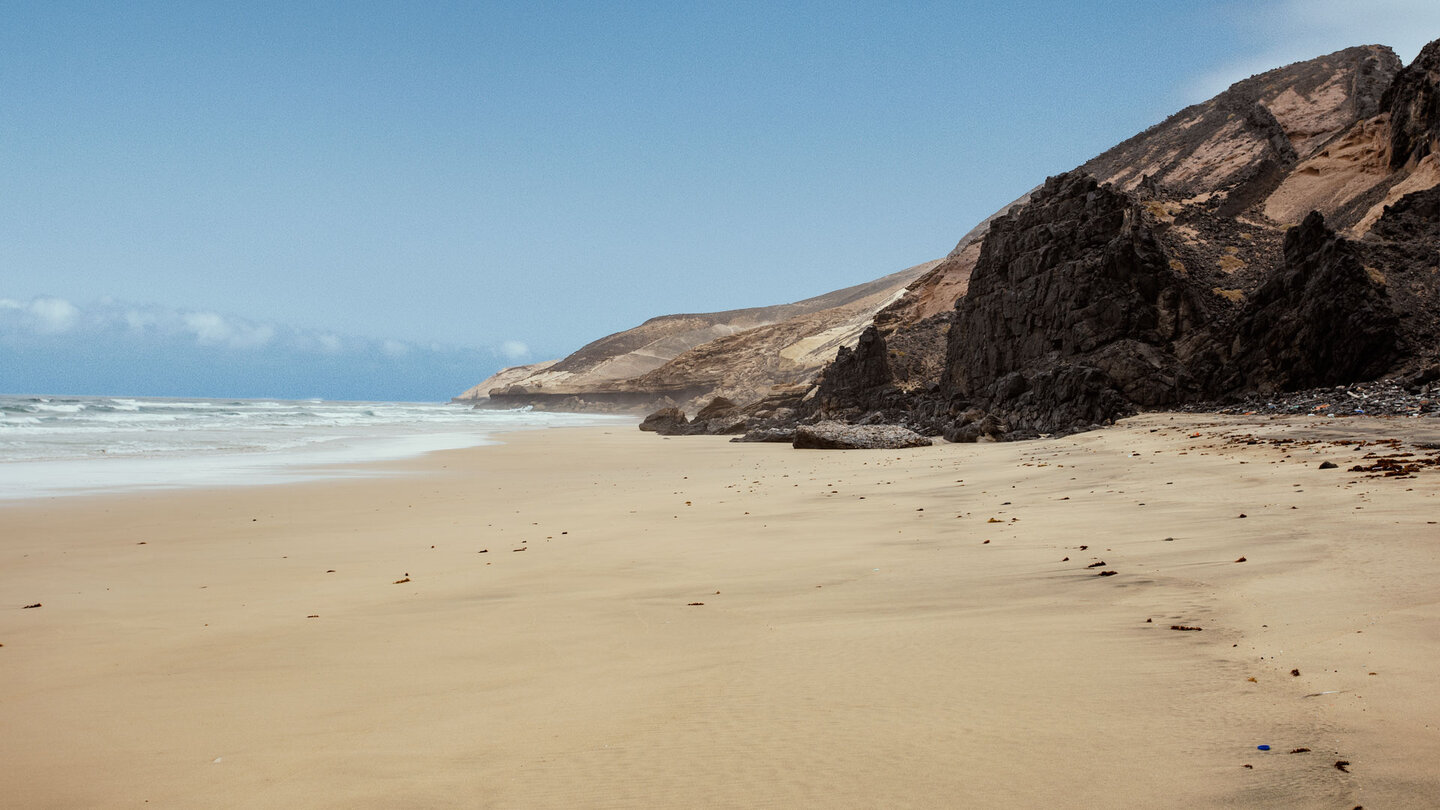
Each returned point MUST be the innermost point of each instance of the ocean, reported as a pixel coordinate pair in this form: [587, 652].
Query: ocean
[53, 446]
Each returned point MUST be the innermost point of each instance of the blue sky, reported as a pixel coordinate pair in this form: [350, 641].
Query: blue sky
[392, 200]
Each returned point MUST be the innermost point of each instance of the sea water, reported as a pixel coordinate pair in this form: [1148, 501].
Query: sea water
[78, 445]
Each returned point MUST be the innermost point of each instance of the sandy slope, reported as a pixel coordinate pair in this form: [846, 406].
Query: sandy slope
[866, 647]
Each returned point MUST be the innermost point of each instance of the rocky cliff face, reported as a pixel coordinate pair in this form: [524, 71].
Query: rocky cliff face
[1074, 288]
[1279, 236]
[1079, 310]
[1320, 319]
[1413, 103]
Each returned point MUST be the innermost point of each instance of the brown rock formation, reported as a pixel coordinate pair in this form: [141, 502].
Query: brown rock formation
[683, 360]
[1161, 272]
[1280, 235]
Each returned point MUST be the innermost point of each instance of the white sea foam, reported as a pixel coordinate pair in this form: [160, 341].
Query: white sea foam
[72, 445]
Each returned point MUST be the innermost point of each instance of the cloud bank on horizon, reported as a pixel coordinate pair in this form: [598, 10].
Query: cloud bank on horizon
[49, 345]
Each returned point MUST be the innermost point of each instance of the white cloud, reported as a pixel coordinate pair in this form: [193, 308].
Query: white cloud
[514, 350]
[53, 316]
[1288, 31]
[148, 330]
[211, 328]
[251, 336]
[139, 321]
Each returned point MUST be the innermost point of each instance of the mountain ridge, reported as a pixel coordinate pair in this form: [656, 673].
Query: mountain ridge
[1299, 193]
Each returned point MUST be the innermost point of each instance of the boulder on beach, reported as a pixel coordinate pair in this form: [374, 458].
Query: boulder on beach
[666, 421]
[837, 436]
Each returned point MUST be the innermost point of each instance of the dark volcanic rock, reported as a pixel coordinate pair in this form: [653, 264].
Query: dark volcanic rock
[1073, 310]
[1413, 101]
[1404, 246]
[770, 434]
[1320, 319]
[859, 377]
[666, 421]
[836, 436]
[974, 425]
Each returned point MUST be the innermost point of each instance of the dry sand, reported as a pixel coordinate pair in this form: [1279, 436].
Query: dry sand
[859, 643]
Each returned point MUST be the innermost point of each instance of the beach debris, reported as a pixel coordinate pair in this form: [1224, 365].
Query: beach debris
[402, 581]
[1295, 672]
[987, 542]
[522, 548]
[329, 570]
[1167, 539]
[1242, 559]
[994, 520]
[313, 616]
[1149, 621]
[1328, 692]
[1082, 548]
[694, 604]
[483, 551]
[1185, 627]
[1328, 465]
[1107, 573]
[1252, 679]
[217, 760]
[1342, 765]
[1242, 515]
[1248, 767]
[1262, 748]
[1100, 564]
[1300, 750]
[28, 607]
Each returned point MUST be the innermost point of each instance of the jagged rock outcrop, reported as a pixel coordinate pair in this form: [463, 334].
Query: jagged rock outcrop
[1199, 169]
[1282, 234]
[1403, 248]
[1413, 102]
[1161, 272]
[1319, 319]
[1077, 313]
[778, 409]
[1073, 290]
[860, 375]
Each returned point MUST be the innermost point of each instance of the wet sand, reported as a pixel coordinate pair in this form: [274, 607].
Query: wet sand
[598, 617]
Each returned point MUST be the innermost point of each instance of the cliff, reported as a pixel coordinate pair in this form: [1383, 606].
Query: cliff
[1276, 237]
[684, 360]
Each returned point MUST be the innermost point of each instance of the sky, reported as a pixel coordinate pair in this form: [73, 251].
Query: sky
[363, 200]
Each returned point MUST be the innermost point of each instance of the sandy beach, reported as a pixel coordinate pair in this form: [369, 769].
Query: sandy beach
[596, 617]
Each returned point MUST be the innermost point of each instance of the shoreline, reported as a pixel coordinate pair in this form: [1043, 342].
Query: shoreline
[866, 647]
